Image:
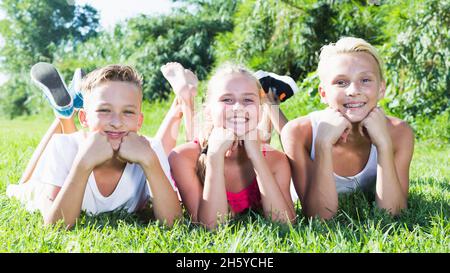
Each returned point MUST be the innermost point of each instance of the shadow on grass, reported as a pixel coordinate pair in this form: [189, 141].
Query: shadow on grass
[140, 219]
[360, 210]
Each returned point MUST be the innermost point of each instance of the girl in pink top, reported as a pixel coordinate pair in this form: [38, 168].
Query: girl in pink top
[229, 169]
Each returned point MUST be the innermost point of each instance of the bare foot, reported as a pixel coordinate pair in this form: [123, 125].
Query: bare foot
[183, 81]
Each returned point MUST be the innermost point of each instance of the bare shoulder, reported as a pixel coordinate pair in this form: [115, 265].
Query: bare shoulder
[297, 131]
[185, 153]
[275, 158]
[298, 126]
[401, 132]
[399, 128]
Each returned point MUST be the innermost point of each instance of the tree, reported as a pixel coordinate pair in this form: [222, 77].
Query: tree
[32, 30]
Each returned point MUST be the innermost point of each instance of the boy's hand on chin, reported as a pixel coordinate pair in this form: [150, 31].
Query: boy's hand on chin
[95, 150]
[135, 149]
[334, 127]
[375, 128]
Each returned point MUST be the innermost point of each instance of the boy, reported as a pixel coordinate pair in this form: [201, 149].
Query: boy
[110, 166]
[352, 145]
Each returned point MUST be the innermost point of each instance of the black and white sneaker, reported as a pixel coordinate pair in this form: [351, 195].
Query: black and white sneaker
[283, 87]
[48, 79]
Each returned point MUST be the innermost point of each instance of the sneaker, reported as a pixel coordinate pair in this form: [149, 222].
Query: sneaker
[283, 87]
[75, 88]
[48, 79]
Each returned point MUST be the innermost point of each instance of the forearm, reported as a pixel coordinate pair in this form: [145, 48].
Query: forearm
[321, 196]
[166, 205]
[275, 206]
[67, 204]
[389, 194]
[213, 208]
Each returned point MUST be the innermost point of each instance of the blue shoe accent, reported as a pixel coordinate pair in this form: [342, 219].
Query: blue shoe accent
[48, 79]
[75, 88]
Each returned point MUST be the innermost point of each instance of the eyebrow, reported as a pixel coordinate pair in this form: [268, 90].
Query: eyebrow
[125, 106]
[245, 94]
[361, 73]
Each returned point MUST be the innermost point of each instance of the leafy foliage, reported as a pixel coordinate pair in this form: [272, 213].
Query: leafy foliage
[419, 61]
[32, 30]
[283, 36]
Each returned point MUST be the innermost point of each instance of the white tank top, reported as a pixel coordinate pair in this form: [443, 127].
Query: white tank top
[365, 180]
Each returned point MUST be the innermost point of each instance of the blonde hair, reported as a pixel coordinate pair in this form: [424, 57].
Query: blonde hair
[113, 72]
[347, 45]
[220, 73]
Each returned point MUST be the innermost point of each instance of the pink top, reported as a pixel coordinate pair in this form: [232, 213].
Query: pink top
[249, 197]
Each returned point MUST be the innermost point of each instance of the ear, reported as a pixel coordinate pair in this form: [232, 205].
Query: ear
[322, 94]
[82, 116]
[140, 120]
[382, 90]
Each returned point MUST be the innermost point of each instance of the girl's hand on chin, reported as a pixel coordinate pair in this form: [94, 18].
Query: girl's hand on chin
[220, 141]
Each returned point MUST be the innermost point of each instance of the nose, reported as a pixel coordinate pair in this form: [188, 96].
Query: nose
[352, 89]
[115, 120]
[237, 106]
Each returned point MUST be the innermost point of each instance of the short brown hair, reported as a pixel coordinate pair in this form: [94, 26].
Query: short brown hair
[112, 72]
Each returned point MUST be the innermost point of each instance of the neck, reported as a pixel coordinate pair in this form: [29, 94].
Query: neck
[238, 154]
[355, 138]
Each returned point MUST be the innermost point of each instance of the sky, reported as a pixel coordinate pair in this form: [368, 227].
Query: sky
[114, 11]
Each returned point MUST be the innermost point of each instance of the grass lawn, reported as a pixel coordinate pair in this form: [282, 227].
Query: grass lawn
[358, 227]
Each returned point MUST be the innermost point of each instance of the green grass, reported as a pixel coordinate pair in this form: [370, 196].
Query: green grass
[358, 227]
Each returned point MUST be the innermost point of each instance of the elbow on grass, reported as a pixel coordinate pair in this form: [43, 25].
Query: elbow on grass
[51, 221]
[323, 213]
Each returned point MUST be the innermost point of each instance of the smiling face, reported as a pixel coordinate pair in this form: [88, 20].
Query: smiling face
[234, 103]
[352, 84]
[114, 108]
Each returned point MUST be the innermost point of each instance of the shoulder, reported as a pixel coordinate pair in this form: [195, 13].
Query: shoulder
[275, 158]
[399, 128]
[185, 153]
[297, 132]
[402, 134]
[65, 143]
[299, 127]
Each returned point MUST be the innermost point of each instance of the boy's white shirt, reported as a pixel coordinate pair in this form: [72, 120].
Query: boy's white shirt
[131, 192]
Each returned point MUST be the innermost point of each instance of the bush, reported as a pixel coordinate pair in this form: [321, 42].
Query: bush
[418, 61]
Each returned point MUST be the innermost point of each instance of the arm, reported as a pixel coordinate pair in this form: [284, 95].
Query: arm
[69, 198]
[182, 162]
[213, 208]
[313, 180]
[166, 206]
[203, 202]
[394, 158]
[296, 138]
[137, 149]
[274, 187]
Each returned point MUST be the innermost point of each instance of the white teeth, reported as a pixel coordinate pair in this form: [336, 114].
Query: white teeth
[354, 105]
[239, 120]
